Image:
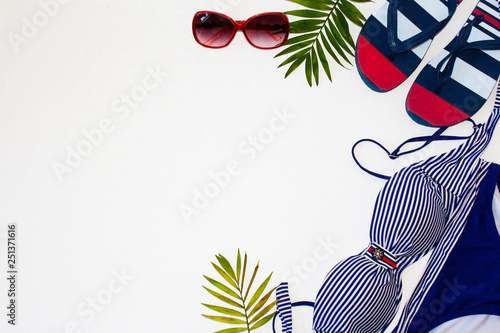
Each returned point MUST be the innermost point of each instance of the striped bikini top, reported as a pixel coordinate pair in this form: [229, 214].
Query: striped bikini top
[361, 294]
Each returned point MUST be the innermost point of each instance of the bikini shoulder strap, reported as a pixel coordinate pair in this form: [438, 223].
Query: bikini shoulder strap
[426, 140]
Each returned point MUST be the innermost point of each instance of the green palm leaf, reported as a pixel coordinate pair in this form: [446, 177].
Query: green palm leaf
[259, 291]
[312, 4]
[227, 320]
[238, 267]
[225, 275]
[224, 298]
[222, 287]
[296, 63]
[224, 310]
[261, 303]
[307, 13]
[232, 330]
[300, 39]
[256, 269]
[352, 12]
[296, 47]
[343, 26]
[323, 26]
[324, 61]
[328, 47]
[263, 312]
[333, 41]
[227, 266]
[339, 38]
[309, 69]
[244, 271]
[252, 314]
[294, 57]
[262, 321]
[315, 67]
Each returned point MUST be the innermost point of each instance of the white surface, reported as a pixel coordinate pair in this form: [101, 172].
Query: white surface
[496, 208]
[470, 324]
[119, 209]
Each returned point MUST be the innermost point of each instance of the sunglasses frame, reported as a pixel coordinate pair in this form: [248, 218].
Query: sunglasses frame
[241, 25]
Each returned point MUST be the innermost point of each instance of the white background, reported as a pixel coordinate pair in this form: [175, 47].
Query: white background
[118, 210]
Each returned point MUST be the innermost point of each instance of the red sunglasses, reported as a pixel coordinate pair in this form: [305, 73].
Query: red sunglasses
[264, 31]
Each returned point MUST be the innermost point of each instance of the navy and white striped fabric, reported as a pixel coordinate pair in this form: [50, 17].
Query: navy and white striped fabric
[422, 205]
[451, 235]
[284, 307]
[412, 212]
[456, 83]
[395, 38]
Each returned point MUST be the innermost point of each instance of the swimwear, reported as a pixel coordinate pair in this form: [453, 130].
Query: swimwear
[469, 281]
[423, 206]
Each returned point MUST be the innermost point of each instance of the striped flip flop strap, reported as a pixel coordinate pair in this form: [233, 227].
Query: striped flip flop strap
[445, 67]
[397, 46]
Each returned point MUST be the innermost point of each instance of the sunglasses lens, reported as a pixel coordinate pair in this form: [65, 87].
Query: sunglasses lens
[267, 31]
[212, 30]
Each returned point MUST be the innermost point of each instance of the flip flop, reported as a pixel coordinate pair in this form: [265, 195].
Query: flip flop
[396, 37]
[457, 82]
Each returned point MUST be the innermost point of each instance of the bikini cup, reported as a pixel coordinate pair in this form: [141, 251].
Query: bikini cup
[361, 294]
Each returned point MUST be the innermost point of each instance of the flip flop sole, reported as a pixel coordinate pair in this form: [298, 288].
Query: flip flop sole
[473, 78]
[376, 65]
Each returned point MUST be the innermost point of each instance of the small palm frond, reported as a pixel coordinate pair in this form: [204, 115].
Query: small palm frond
[247, 311]
[323, 28]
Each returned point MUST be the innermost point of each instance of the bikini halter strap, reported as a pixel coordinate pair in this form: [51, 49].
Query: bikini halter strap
[287, 328]
[427, 139]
